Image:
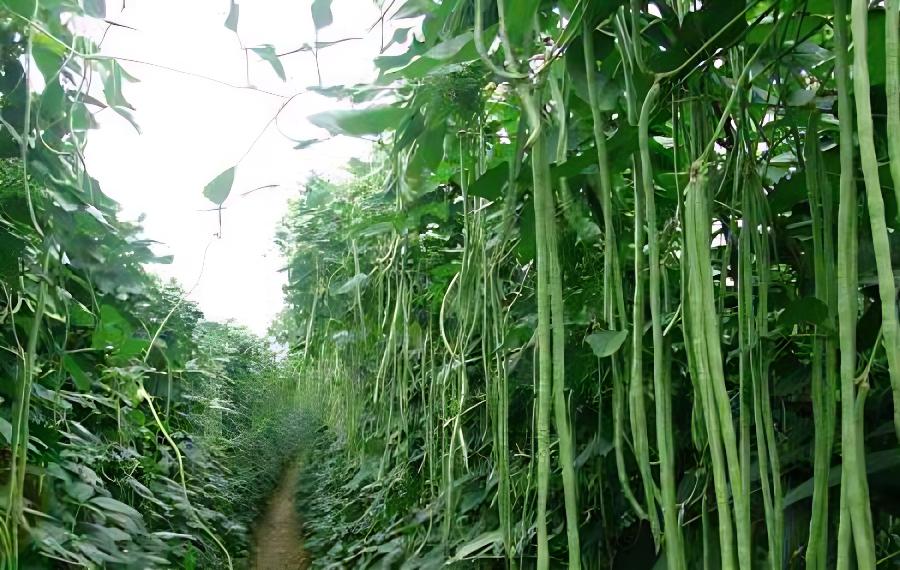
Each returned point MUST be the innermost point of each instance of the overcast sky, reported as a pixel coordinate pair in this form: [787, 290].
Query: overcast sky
[192, 129]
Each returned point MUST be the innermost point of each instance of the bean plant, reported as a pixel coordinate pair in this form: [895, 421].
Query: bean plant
[617, 288]
[133, 434]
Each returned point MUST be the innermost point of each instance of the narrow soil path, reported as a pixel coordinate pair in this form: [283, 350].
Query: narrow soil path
[278, 540]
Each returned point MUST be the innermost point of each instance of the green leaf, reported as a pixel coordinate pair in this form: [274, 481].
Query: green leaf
[357, 281]
[110, 504]
[21, 7]
[376, 229]
[876, 462]
[126, 114]
[457, 50]
[399, 37]
[358, 122]
[234, 13]
[490, 185]
[527, 246]
[267, 53]
[606, 343]
[112, 85]
[112, 330]
[716, 24]
[787, 193]
[321, 13]
[79, 491]
[95, 8]
[305, 143]
[478, 543]
[219, 188]
[11, 248]
[806, 310]
[875, 48]
[520, 19]
[414, 9]
[79, 377]
[5, 429]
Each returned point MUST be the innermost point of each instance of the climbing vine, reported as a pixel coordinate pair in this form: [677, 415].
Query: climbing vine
[606, 293]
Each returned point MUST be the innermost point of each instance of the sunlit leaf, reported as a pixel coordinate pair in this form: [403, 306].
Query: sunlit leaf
[95, 8]
[606, 343]
[357, 281]
[478, 543]
[520, 19]
[370, 121]
[268, 54]
[234, 12]
[305, 143]
[219, 188]
[321, 13]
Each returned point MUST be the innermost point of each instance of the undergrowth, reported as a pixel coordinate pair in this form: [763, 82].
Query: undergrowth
[356, 516]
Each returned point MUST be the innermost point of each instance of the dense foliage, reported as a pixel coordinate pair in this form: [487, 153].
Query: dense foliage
[132, 433]
[618, 289]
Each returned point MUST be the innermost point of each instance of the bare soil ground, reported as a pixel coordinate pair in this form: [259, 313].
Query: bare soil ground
[279, 540]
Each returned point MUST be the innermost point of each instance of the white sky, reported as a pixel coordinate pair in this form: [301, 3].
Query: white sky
[193, 129]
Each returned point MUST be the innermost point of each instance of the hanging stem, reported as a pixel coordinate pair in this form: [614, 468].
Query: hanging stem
[823, 357]
[662, 396]
[878, 224]
[855, 517]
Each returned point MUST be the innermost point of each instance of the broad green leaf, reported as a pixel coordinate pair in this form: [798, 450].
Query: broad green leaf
[358, 122]
[716, 24]
[787, 193]
[234, 13]
[5, 429]
[112, 329]
[399, 37]
[573, 26]
[413, 9]
[520, 16]
[809, 310]
[478, 543]
[111, 533]
[79, 377]
[321, 13]
[875, 48]
[357, 281]
[457, 50]
[800, 97]
[437, 210]
[219, 188]
[267, 53]
[21, 7]
[606, 343]
[95, 8]
[112, 85]
[376, 229]
[110, 504]
[79, 491]
[490, 185]
[527, 246]
[11, 248]
[876, 462]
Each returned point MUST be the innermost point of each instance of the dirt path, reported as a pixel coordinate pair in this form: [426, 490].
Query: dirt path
[278, 540]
